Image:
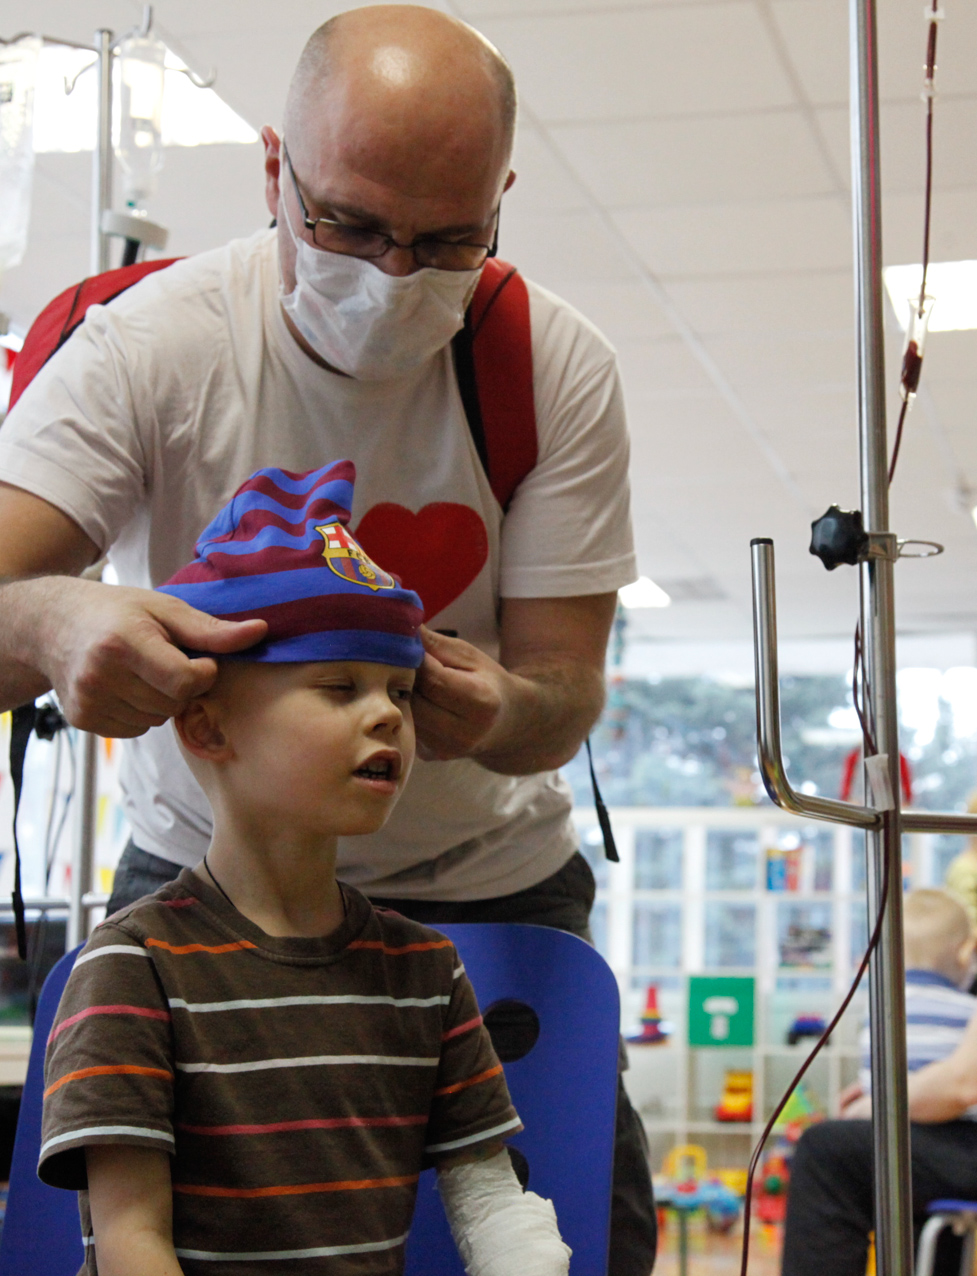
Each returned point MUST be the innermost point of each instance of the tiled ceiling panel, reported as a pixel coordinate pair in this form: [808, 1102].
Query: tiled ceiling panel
[741, 239]
[625, 63]
[764, 155]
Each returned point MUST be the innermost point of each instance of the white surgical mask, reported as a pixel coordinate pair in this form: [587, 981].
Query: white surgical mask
[368, 324]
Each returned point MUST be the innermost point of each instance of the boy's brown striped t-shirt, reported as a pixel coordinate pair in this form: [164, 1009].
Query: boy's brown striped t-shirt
[300, 1085]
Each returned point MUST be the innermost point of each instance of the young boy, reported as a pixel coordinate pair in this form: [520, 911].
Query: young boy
[830, 1205]
[250, 1068]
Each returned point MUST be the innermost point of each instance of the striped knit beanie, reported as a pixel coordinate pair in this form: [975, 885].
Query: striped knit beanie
[280, 550]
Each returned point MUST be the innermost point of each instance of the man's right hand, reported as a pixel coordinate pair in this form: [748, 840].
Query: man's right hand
[113, 653]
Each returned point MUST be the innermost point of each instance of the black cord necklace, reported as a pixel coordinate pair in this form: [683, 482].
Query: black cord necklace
[210, 874]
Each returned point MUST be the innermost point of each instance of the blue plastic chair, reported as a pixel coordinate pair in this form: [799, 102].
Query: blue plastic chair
[41, 1229]
[565, 1090]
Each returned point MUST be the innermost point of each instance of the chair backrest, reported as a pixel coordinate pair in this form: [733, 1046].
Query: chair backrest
[41, 1229]
[565, 1088]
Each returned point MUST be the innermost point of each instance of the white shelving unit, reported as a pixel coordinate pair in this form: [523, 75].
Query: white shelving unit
[690, 897]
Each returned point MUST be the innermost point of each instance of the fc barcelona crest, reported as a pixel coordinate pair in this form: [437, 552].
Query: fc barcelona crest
[348, 560]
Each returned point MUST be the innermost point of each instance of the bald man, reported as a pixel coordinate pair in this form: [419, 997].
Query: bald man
[330, 337]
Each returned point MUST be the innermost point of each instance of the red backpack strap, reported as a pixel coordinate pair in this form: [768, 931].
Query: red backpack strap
[59, 319]
[494, 362]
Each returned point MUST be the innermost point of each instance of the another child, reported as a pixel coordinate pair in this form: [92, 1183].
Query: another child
[250, 1068]
[830, 1205]
[961, 873]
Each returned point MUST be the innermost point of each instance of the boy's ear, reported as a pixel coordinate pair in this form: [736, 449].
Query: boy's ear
[200, 732]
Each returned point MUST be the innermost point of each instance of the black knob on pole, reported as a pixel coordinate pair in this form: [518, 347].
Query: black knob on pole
[839, 536]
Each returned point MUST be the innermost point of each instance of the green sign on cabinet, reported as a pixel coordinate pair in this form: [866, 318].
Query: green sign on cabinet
[720, 1010]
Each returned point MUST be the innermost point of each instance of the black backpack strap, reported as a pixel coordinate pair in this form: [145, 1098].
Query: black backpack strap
[464, 357]
[603, 819]
[20, 734]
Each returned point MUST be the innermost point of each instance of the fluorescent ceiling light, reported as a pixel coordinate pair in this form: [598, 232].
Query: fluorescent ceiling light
[952, 284]
[643, 593]
[66, 122]
[10, 341]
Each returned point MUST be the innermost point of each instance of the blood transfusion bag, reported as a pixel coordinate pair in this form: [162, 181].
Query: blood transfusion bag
[18, 69]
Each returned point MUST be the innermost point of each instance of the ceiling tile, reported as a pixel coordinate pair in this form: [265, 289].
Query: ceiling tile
[542, 183]
[627, 63]
[954, 227]
[667, 432]
[820, 301]
[903, 146]
[743, 238]
[799, 362]
[743, 156]
[816, 36]
[663, 365]
[566, 247]
[624, 311]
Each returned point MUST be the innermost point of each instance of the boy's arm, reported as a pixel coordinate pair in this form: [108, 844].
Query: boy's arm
[499, 1229]
[944, 1090]
[131, 1200]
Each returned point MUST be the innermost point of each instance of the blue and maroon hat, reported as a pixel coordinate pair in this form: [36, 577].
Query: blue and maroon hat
[280, 550]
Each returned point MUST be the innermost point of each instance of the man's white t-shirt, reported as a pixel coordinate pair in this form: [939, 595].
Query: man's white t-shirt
[146, 422]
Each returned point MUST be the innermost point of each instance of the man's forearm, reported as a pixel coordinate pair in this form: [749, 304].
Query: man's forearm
[21, 680]
[547, 714]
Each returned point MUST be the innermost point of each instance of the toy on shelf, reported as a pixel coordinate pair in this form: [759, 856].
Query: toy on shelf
[654, 1030]
[805, 1026]
[736, 1101]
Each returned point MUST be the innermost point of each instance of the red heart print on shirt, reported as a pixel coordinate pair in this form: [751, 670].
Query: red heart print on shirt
[437, 552]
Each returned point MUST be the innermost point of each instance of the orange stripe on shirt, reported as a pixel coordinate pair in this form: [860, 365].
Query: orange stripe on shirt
[108, 1070]
[397, 952]
[294, 1189]
[144, 1012]
[463, 1085]
[216, 949]
[462, 1028]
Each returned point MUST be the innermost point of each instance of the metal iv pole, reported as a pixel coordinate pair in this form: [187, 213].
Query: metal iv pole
[882, 820]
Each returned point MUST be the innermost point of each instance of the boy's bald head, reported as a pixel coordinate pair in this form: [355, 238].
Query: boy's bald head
[938, 934]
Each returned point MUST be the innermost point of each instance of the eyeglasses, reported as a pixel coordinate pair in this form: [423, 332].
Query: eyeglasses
[356, 241]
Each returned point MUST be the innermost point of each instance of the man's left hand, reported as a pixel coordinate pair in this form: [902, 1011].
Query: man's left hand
[530, 710]
[458, 698]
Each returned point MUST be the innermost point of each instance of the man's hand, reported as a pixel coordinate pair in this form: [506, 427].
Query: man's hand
[458, 697]
[530, 710]
[112, 653]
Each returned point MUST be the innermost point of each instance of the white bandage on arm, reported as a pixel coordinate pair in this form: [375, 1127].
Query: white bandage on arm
[499, 1229]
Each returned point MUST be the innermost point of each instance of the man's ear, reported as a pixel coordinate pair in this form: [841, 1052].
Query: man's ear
[272, 144]
[200, 731]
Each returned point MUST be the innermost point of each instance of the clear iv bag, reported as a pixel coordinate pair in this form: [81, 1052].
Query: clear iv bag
[140, 145]
[18, 70]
